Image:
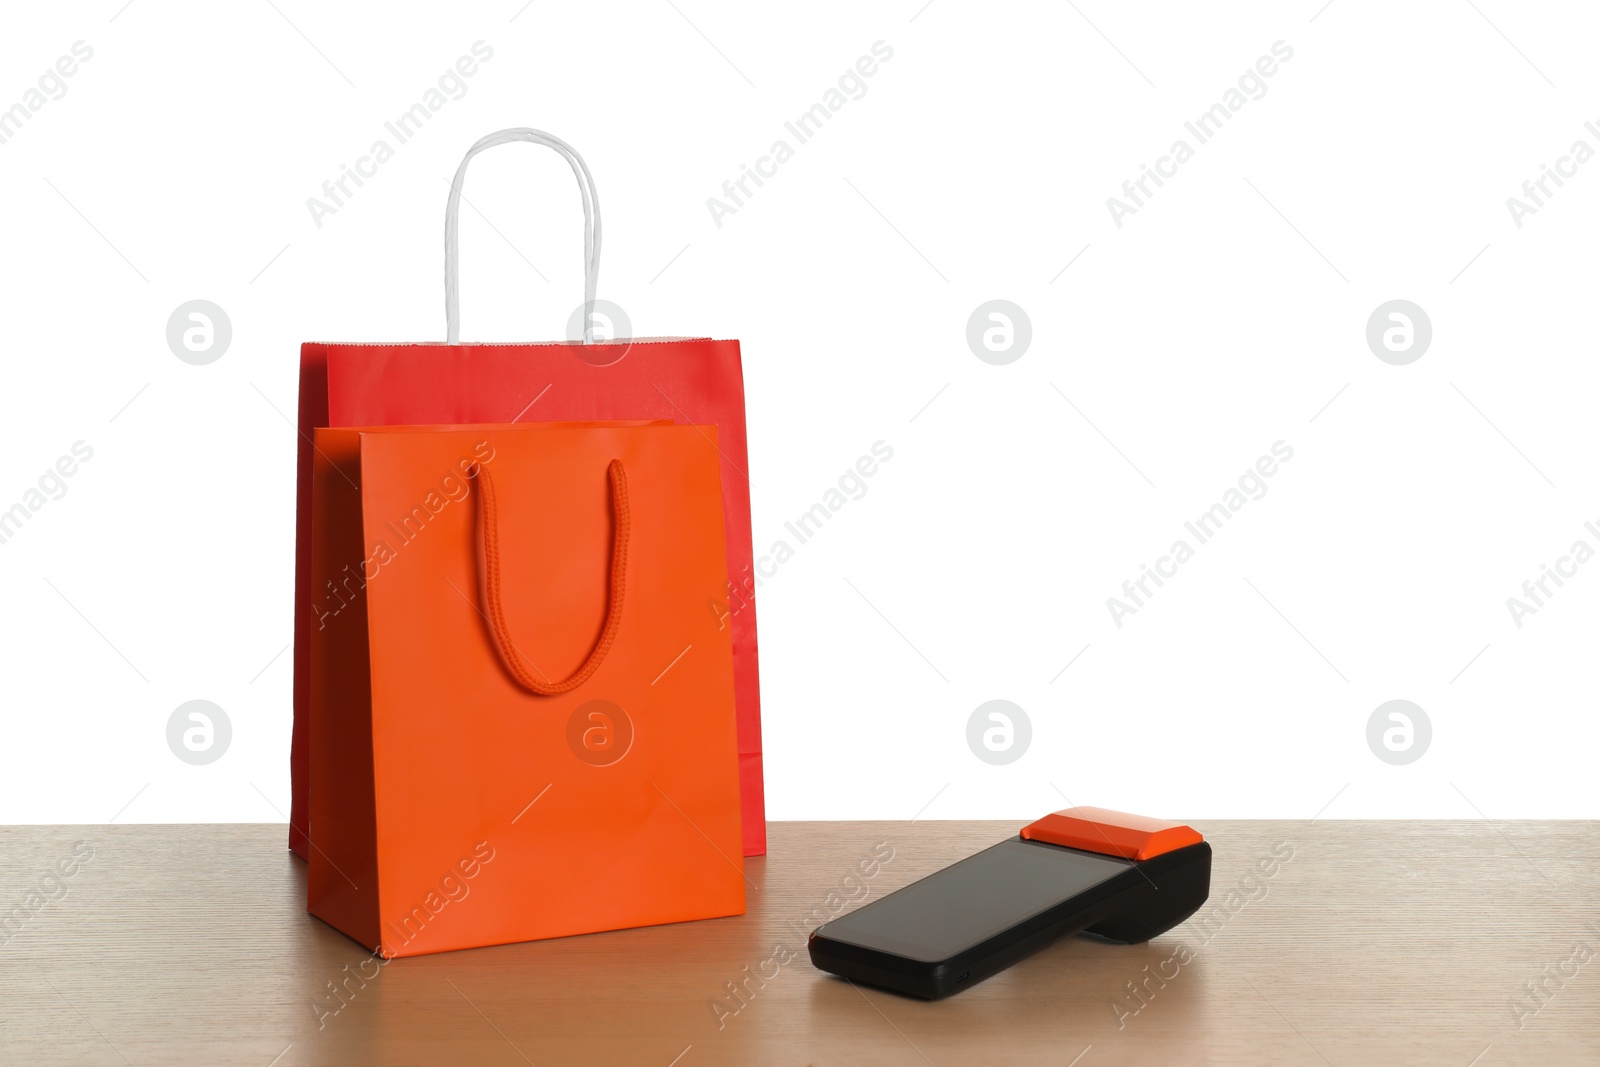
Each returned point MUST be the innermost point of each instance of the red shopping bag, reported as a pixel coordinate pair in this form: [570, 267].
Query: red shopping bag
[694, 381]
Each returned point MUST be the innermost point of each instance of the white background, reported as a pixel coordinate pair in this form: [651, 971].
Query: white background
[1227, 314]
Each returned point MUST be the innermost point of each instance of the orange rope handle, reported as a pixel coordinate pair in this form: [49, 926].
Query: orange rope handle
[489, 540]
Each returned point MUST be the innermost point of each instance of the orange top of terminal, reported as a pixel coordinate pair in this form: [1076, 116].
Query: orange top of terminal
[1111, 833]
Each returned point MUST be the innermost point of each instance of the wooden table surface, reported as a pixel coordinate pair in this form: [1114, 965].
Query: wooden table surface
[1449, 943]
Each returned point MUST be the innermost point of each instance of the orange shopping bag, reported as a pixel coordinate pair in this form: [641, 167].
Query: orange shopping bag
[522, 716]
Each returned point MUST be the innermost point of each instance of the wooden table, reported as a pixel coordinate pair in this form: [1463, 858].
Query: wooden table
[1376, 943]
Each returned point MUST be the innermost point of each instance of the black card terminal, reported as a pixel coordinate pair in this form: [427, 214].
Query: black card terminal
[1123, 877]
